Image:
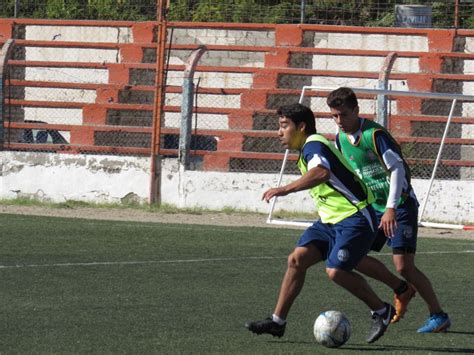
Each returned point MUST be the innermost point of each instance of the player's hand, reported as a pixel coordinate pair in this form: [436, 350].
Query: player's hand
[275, 191]
[388, 223]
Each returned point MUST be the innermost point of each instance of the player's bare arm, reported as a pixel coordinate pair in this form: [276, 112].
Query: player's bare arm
[312, 178]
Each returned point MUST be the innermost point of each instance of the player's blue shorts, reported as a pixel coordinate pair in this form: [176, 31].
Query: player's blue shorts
[342, 244]
[407, 228]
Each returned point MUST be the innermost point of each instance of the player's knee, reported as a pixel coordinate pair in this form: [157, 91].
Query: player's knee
[333, 274]
[299, 260]
[404, 264]
[294, 261]
[404, 270]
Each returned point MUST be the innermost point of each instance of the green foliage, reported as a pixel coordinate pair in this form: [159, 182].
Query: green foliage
[7, 8]
[284, 12]
[231, 11]
[386, 21]
[466, 18]
[209, 11]
[103, 9]
[469, 22]
[245, 10]
[439, 10]
[60, 9]
[179, 11]
[83, 9]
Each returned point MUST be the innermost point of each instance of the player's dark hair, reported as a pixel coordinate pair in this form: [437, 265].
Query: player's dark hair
[299, 113]
[342, 97]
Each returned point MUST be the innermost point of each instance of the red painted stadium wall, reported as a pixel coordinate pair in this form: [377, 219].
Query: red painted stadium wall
[443, 46]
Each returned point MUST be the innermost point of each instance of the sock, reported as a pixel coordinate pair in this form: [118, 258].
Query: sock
[278, 320]
[440, 314]
[380, 311]
[402, 288]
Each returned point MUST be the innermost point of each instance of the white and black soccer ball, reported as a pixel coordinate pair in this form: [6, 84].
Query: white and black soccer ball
[332, 329]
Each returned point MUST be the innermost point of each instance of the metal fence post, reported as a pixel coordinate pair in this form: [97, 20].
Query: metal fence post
[302, 11]
[16, 9]
[382, 102]
[4, 55]
[160, 93]
[187, 107]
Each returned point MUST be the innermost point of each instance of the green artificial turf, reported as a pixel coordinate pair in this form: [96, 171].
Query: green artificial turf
[88, 286]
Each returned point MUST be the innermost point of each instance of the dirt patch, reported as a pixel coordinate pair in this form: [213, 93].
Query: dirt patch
[137, 215]
[208, 218]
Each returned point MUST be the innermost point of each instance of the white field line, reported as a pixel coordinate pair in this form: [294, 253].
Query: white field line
[182, 261]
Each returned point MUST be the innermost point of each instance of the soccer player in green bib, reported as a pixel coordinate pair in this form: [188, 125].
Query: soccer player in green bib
[345, 232]
[376, 158]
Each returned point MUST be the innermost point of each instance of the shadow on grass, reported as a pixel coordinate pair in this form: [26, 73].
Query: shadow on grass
[291, 342]
[382, 348]
[457, 332]
[423, 349]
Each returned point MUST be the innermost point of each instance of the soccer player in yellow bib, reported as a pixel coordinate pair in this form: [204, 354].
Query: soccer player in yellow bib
[345, 232]
[377, 159]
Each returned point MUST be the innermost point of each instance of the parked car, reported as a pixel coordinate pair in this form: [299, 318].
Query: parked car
[42, 136]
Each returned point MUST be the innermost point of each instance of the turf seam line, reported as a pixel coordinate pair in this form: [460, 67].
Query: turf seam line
[179, 261]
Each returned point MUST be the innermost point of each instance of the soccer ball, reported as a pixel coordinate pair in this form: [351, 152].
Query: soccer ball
[332, 329]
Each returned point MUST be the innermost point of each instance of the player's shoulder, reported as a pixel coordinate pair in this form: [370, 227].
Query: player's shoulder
[376, 128]
[370, 125]
[381, 135]
[313, 146]
[317, 147]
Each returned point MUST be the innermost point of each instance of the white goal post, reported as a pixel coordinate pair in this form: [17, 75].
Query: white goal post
[425, 114]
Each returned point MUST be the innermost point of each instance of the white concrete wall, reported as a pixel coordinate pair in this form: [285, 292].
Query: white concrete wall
[61, 177]
[206, 100]
[363, 64]
[115, 179]
[399, 85]
[79, 34]
[469, 66]
[60, 95]
[83, 55]
[384, 42]
[214, 80]
[221, 58]
[469, 47]
[200, 120]
[223, 36]
[72, 116]
[67, 75]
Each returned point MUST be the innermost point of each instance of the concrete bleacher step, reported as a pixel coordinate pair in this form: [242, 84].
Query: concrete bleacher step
[107, 71]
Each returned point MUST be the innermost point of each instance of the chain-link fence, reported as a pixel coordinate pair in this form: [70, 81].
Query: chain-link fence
[94, 85]
[133, 10]
[62, 93]
[405, 13]
[388, 13]
[235, 121]
[419, 122]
